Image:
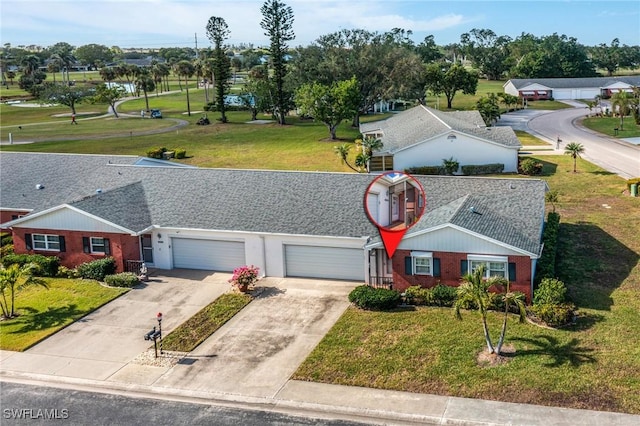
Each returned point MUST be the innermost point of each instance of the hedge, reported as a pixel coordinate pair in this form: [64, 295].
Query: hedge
[546, 266]
[366, 297]
[47, 265]
[156, 153]
[426, 170]
[482, 169]
[123, 279]
[97, 269]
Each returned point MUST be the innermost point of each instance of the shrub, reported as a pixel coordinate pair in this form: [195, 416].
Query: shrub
[554, 315]
[97, 269]
[64, 272]
[444, 295]
[426, 170]
[530, 167]
[546, 266]
[418, 295]
[123, 279]
[156, 153]
[550, 292]
[180, 153]
[482, 169]
[47, 265]
[366, 297]
[6, 250]
[6, 239]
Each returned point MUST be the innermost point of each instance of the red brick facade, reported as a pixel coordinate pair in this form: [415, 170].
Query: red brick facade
[122, 246]
[8, 215]
[450, 272]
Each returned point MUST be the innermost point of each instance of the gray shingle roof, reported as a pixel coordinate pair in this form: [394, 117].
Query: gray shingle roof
[303, 203]
[421, 123]
[568, 83]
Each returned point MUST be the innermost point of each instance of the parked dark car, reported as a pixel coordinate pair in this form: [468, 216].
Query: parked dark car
[156, 113]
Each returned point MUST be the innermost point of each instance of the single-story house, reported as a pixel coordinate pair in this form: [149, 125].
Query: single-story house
[301, 224]
[423, 136]
[569, 88]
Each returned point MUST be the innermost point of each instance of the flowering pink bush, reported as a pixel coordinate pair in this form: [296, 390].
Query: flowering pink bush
[244, 275]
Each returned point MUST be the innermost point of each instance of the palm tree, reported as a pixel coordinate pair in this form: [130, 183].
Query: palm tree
[30, 64]
[552, 197]
[9, 281]
[574, 149]
[475, 289]
[342, 151]
[509, 299]
[186, 69]
[146, 83]
[621, 102]
[108, 74]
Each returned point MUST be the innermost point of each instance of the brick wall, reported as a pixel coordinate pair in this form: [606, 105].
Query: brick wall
[123, 246]
[450, 272]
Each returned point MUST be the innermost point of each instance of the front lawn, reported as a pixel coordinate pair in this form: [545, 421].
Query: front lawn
[607, 126]
[43, 312]
[594, 364]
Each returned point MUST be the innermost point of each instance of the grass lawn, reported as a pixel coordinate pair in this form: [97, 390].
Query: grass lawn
[196, 329]
[43, 312]
[594, 364]
[607, 125]
[527, 139]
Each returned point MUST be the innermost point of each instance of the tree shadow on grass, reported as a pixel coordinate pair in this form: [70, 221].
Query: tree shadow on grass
[592, 263]
[52, 317]
[559, 354]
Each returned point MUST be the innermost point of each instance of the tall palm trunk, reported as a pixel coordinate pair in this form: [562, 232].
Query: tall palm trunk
[186, 85]
[487, 336]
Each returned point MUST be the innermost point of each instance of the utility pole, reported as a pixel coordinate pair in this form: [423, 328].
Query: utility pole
[196, 38]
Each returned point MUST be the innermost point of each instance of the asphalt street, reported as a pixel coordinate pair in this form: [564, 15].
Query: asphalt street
[38, 405]
[619, 157]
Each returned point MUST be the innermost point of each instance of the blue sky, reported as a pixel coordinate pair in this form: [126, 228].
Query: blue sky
[161, 23]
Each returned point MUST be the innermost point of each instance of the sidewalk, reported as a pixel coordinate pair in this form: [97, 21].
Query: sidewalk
[247, 362]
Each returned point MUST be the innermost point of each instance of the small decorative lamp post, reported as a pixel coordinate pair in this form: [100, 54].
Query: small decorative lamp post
[159, 318]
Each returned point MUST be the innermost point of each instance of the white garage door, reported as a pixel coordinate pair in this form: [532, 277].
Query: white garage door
[213, 255]
[324, 262]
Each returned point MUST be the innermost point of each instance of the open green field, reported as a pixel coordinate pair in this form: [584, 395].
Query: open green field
[594, 364]
[45, 311]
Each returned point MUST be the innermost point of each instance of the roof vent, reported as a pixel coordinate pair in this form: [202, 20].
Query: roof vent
[473, 210]
[39, 186]
[99, 191]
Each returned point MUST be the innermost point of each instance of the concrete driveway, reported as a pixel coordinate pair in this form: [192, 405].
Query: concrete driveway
[256, 352]
[103, 342]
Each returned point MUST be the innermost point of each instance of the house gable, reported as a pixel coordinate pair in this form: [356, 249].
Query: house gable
[67, 218]
[452, 238]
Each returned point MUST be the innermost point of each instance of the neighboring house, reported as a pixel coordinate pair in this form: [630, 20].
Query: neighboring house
[301, 224]
[569, 88]
[423, 136]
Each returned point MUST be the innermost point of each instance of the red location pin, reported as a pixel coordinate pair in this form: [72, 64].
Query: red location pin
[391, 239]
[394, 202]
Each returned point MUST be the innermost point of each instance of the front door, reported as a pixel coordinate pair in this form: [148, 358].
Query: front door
[147, 248]
[395, 208]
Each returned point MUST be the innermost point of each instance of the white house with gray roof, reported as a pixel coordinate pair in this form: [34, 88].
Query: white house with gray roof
[302, 224]
[570, 88]
[422, 136]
